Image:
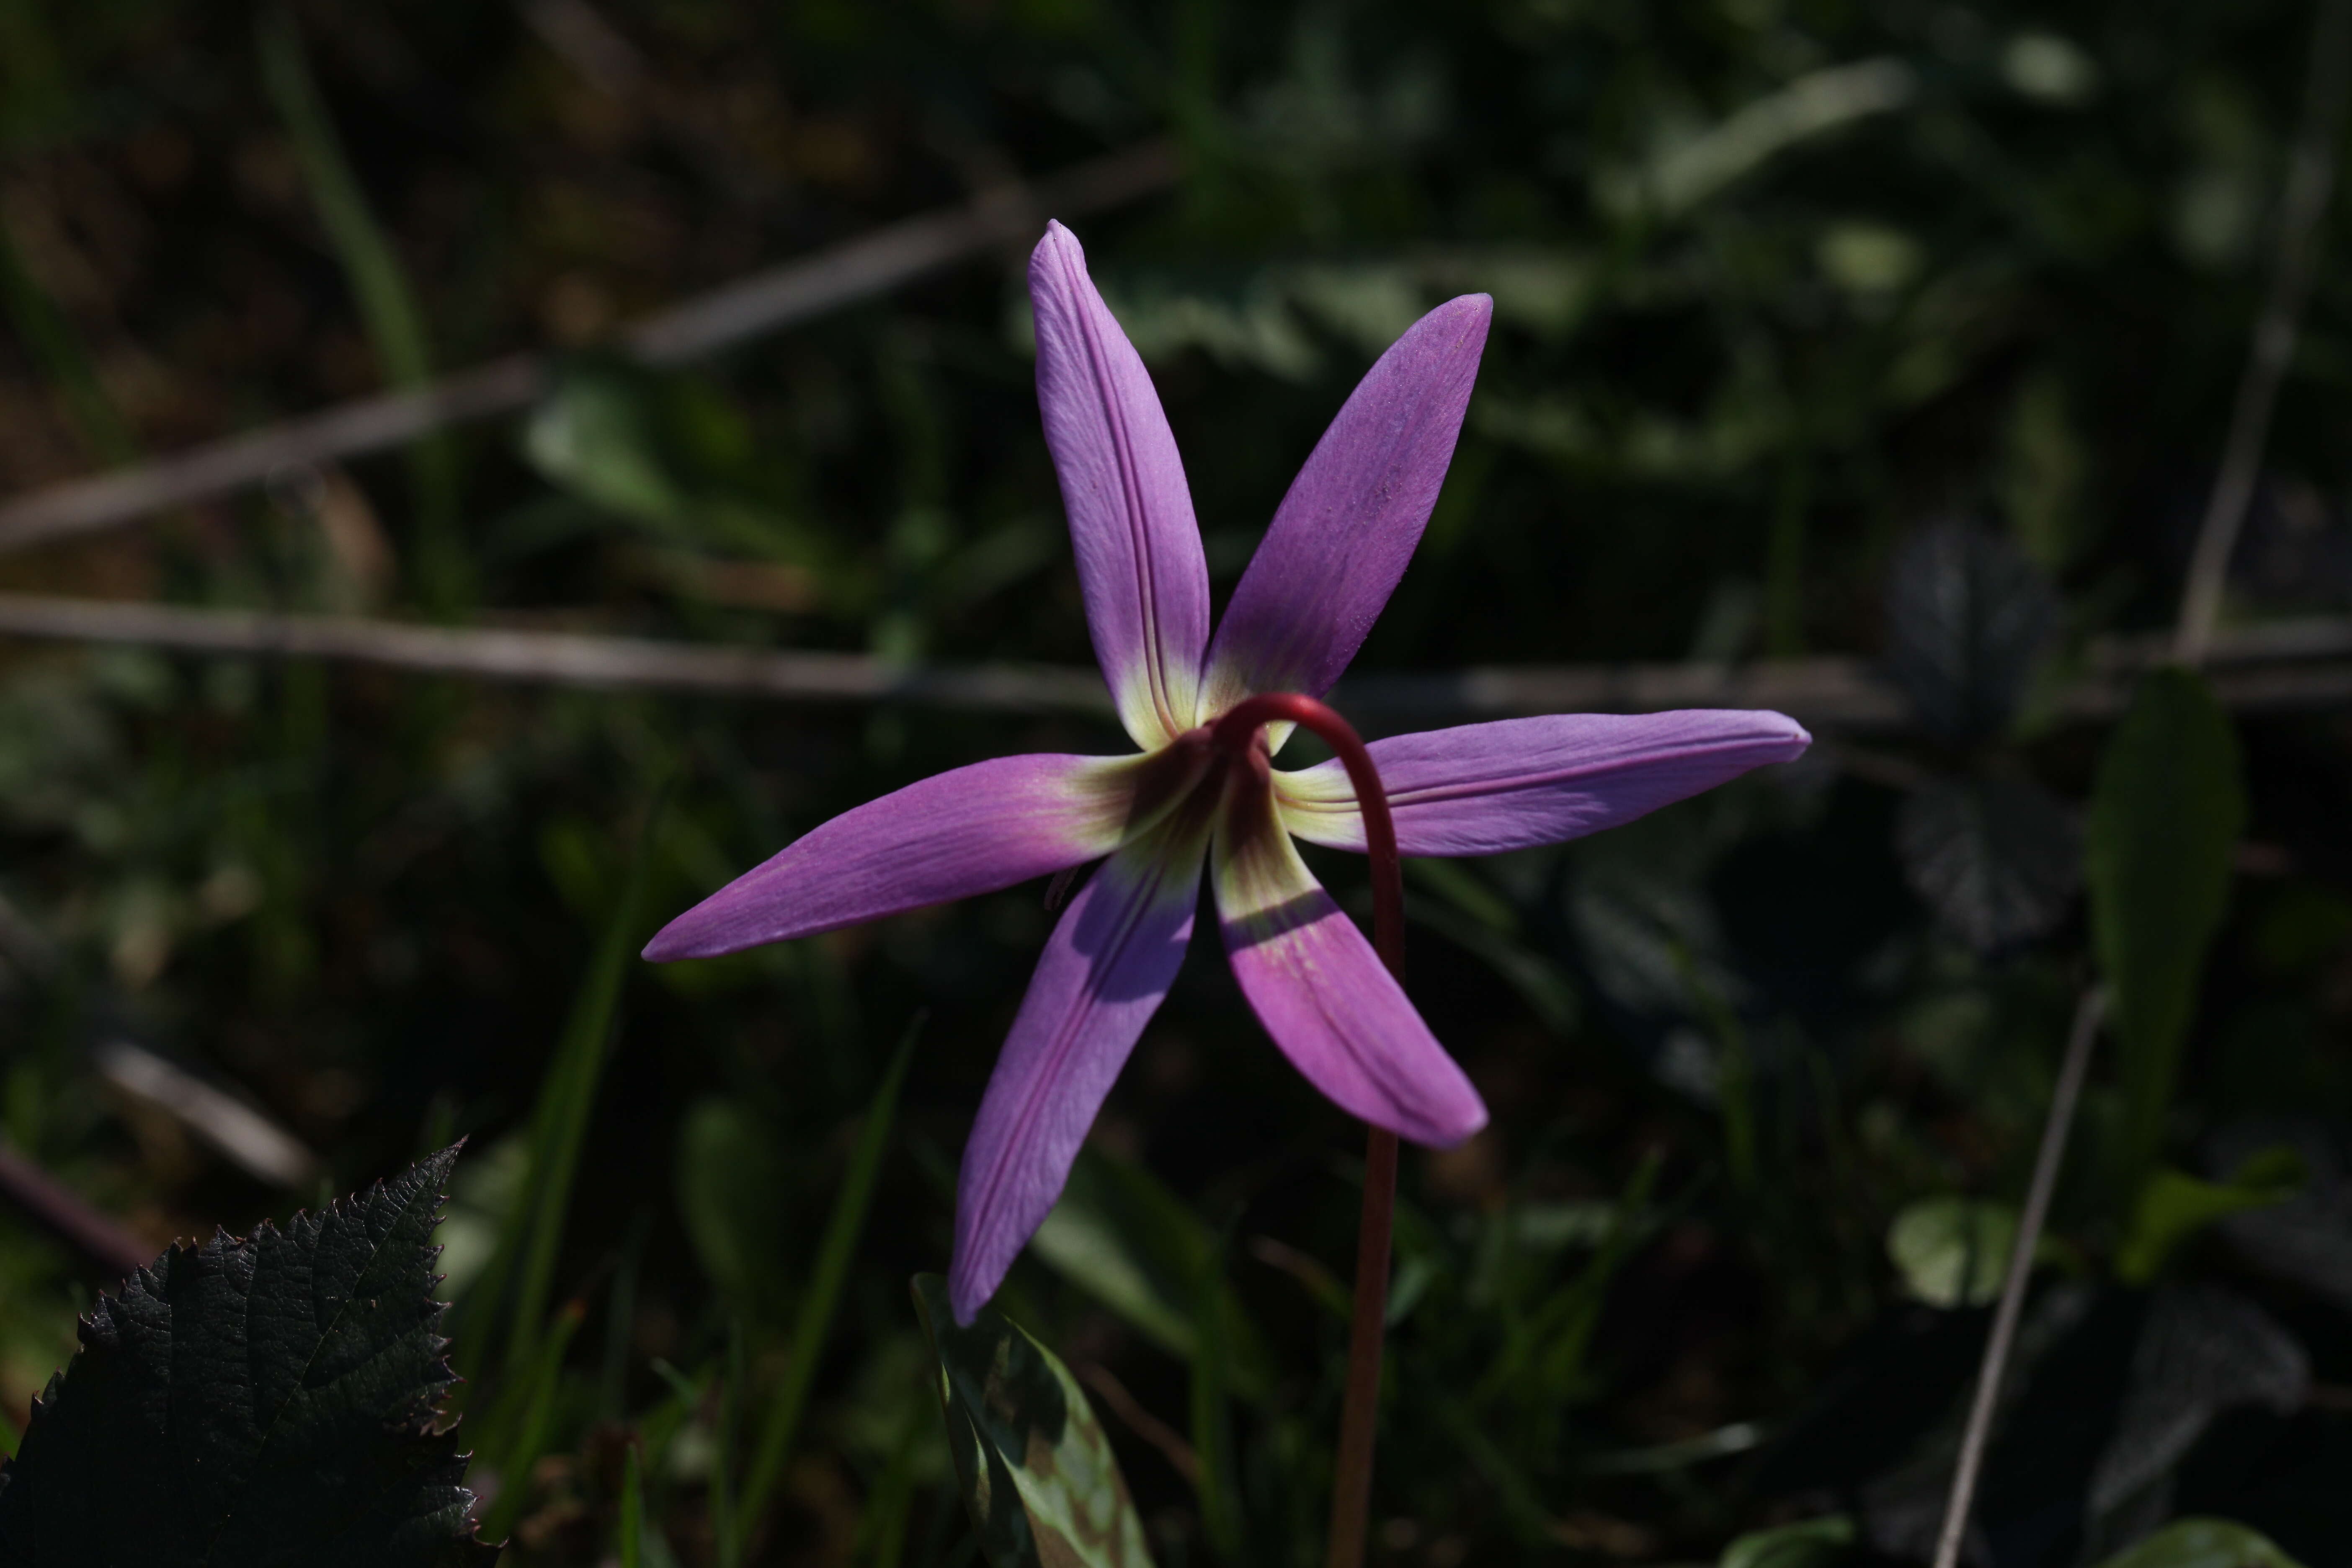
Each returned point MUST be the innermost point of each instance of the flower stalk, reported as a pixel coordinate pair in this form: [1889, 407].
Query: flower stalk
[1351, 1487]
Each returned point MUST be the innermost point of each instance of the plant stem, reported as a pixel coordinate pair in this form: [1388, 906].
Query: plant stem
[1351, 1484]
[1360, 1408]
[2311, 177]
[2046, 1163]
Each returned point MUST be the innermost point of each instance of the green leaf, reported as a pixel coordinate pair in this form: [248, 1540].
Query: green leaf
[2174, 1206]
[59, 349]
[1809, 1543]
[1037, 1473]
[2203, 1544]
[264, 1402]
[594, 437]
[1119, 1234]
[379, 284]
[536, 1409]
[826, 1281]
[1952, 1252]
[533, 1229]
[731, 1193]
[2165, 812]
[632, 1527]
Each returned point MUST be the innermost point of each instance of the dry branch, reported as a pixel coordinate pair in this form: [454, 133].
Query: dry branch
[2311, 177]
[2283, 667]
[101, 1239]
[795, 291]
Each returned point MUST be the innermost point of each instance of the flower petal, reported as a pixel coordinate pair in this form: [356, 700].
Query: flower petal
[1140, 560]
[1483, 788]
[1323, 994]
[969, 830]
[1110, 962]
[1342, 536]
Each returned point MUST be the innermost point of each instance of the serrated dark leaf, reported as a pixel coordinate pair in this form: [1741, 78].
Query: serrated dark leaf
[1996, 859]
[265, 1402]
[1967, 615]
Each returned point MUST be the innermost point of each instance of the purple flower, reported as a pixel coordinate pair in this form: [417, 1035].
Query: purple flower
[1333, 552]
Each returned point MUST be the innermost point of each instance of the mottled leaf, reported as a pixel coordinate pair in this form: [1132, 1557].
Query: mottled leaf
[267, 1402]
[1967, 616]
[2201, 1349]
[1036, 1470]
[1996, 859]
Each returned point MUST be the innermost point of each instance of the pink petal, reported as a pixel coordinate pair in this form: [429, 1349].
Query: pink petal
[1483, 788]
[1322, 992]
[969, 830]
[1140, 562]
[1109, 964]
[1340, 540]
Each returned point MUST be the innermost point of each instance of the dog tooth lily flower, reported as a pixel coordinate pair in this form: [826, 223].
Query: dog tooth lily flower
[1191, 796]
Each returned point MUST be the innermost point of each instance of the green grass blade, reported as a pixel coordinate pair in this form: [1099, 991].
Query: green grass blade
[726, 1524]
[633, 1511]
[380, 286]
[574, 1078]
[823, 1294]
[1212, 1415]
[882, 1527]
[63, 357]
[621, 1317]
[530, 1437]
[567, 1097]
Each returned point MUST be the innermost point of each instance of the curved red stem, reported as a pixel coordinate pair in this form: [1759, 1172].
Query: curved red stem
[1351, 1481]
[1240, 724]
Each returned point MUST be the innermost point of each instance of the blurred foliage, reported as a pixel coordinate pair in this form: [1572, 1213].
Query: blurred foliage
[1896, 330]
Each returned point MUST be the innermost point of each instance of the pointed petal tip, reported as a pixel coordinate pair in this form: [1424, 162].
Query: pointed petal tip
[693, 934]
[1057, 241]
[670, 944]
[1472, 314]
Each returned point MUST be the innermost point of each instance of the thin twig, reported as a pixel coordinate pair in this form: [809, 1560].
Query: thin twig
[65, 1214]
[2259, 670]
[2046, 1163]
[589, 44]
[2311, 177]
[230, 1128]
[798, 290]
[555, 657]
